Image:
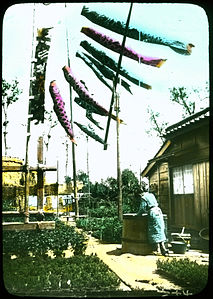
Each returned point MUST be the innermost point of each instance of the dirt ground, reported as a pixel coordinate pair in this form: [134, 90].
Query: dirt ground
[136, 271]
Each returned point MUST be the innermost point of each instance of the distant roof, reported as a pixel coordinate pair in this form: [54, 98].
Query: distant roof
[189, 123]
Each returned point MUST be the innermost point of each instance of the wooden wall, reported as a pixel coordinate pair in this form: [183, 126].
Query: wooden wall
[159, 184]
[201, 194]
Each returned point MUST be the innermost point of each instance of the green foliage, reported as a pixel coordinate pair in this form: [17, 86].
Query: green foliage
[105, 194]
[107, 229]
[20, 216]
[10, 92]
[103, 211]
[157, 126]
[38, 242]
[39, 276]
[188, 273]
[180, 96]
[8, 205]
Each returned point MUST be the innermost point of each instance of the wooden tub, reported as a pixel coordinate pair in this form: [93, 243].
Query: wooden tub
[134, 235]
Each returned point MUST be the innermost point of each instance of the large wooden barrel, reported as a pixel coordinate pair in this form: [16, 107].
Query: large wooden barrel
[134, 235]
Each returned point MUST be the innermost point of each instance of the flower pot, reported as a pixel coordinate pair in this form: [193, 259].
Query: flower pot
[178, 247]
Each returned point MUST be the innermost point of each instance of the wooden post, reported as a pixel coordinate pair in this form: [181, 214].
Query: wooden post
[27, 173]
[88, 167]
[73, 145]
[40, 175]
[57, 188]
[119, 180]
[40, 188]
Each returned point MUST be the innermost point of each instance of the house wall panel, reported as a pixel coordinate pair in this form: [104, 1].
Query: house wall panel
[201, 193]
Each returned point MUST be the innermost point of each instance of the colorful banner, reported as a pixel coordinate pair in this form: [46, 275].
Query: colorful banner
[118, 27]
[37, 84]
[59, 108]
[106, 60]
[116, 46]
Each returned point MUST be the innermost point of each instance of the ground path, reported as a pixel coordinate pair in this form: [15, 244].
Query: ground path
[137, 271]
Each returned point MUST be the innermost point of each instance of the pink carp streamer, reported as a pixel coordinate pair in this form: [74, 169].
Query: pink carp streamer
[60, 110]
[83, 93]
[141, 35]
[115, 46]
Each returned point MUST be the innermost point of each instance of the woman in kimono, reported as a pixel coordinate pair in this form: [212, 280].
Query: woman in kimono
[149, 205]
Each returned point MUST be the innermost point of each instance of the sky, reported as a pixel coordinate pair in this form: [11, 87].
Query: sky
[183, 22]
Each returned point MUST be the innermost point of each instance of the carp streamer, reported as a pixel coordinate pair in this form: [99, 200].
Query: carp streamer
[118, 27]
[106, 72]
[60, 110]
[83, 93]
[115, 46]
[89, 132]
[112, 64]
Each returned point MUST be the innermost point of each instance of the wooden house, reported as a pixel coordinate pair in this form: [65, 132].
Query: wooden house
[179, 173]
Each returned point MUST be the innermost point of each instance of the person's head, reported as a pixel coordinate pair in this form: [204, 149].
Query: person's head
[145, 184]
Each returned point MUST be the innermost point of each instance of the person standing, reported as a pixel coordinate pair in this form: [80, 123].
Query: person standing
[156, 226]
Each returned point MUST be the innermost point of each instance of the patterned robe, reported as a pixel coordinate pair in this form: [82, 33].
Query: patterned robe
[156, 225]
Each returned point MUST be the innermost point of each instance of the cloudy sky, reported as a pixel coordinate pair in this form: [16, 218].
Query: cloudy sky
[183, 22]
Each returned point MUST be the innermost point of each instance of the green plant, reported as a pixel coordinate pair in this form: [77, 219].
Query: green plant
[41, 276]
[108, 229]
[38, 242]
[188, 273]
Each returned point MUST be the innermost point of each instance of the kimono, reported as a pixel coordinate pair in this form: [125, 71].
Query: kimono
[149, 205]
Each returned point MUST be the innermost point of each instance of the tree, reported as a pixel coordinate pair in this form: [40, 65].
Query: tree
[189, 100]
[10, 94]
[180, 96]
[156, 125]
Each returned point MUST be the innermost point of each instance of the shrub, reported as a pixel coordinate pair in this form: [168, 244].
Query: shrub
[103, 211]
[188, 273]
[38, 242]
[107, 229]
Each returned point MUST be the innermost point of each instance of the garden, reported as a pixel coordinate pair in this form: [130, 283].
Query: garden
[35, 262]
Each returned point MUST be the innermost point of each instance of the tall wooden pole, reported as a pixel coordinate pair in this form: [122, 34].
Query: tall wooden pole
[57, 188]
[73, 145]
[119, 180]
[88, 167]
[27, 173]
[116, 77]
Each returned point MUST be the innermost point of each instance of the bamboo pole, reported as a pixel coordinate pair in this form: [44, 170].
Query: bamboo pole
[73, 145]
[57, 187]
[119, 180]
[27, 173]
[116, 77]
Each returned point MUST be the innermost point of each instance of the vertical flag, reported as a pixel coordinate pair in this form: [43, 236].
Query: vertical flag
[37, 84]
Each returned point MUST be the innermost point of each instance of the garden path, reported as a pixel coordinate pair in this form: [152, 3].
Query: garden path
[137, 271]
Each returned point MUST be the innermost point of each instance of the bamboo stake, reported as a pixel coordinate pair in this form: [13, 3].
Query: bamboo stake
[27, 173]
[73, 145]
[119, 180]
[116, 77]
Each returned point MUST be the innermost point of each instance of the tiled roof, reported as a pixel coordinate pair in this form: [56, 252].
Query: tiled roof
[188, 122]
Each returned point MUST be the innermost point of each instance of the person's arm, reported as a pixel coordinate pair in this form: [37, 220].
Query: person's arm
[143, 208]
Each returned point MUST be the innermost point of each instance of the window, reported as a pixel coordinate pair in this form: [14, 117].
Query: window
[183, 180]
